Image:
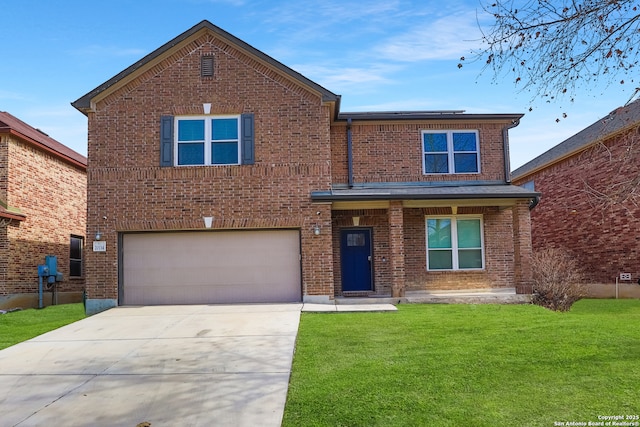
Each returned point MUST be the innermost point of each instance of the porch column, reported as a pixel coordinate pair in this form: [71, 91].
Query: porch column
[522, 247]
[396, 248]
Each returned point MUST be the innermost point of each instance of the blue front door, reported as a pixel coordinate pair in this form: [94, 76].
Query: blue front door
[356, 260]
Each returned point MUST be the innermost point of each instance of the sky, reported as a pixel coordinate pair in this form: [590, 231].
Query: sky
[380, 55]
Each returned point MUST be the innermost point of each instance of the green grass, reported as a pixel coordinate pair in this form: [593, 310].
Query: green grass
[467, 365]
[22, 325]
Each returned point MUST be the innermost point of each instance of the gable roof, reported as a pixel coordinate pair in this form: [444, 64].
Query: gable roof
[16, 127]
[615, 122]
[83, 104]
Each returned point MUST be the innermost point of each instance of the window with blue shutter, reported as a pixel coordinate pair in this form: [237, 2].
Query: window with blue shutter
[207, 140]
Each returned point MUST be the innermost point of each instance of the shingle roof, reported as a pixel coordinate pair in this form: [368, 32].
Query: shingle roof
[12, 125]
[427, 115]
[84, 103]
[615, 122]
[426, 192]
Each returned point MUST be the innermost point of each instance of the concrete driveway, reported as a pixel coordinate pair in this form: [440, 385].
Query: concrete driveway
[224, 365]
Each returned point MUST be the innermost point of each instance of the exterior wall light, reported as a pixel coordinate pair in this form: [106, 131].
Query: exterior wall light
[316, 230]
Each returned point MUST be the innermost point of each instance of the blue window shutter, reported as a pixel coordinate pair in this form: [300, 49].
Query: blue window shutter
[248, 138]
[166, 141]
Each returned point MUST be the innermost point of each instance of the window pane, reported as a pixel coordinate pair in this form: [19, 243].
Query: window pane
[75, 268]
[465, 162]
[439, 233]
[469, 233]
[224, 153]
[191, 130]
[224, 129]
[355, 239]
[436, 163]
[75, 248]
[434, 142]
[191, 154]
[464, 142]
[440, 260]
[470, 258]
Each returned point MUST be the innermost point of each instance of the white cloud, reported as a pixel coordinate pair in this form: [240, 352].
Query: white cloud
[448, 37]
[347, 79]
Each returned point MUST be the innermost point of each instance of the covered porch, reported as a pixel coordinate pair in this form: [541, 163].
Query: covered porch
[415, 242]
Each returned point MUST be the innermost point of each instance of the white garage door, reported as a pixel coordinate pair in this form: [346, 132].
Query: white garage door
[208, 267]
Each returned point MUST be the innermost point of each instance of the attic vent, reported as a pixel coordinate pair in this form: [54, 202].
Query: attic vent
[206, 66]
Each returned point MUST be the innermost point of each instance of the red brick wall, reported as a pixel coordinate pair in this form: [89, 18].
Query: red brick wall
[602, 236]
[292, 158]
[392, 152]
[498, 239]
[52, 195]
[498, 244]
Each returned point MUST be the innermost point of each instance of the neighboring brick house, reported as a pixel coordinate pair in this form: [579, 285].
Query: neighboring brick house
[217, 174]
[43, 205]
[590, 197]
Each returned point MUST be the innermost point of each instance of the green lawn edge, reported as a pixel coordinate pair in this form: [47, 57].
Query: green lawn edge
[22, 325]
[472, 365]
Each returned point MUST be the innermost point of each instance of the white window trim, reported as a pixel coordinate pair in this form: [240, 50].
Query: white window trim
[208, 140]
[450, 152]
[454, 240]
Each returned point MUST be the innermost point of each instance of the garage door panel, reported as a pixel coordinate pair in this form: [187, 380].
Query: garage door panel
[211, 267]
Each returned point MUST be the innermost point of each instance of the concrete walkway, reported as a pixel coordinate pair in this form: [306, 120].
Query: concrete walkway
[167, 366]
[216, 365]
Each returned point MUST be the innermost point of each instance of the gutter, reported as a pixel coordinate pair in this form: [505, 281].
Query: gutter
[505, 142]
[349, 154]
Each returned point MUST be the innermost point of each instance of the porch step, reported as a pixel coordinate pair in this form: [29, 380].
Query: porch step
[471, 296]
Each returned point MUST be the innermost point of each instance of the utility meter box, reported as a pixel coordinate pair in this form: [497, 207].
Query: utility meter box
[52, 262]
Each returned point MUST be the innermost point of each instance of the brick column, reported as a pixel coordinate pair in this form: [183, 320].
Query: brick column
[522, 247]
[396, 248]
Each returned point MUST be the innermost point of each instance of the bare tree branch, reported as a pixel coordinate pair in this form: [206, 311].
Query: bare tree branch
[552, 46]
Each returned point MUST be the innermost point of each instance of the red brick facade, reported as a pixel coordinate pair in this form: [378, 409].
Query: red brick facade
[589, 207]
[300, 148]
[49, 190]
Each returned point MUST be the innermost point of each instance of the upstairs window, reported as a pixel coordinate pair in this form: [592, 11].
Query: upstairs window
[448, 152]
[207, 141]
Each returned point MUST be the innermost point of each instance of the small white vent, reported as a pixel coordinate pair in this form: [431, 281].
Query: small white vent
[206, 66]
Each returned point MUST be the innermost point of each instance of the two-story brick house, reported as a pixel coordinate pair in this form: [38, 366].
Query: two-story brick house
[217, 174]
[590, 201]
[42, 212]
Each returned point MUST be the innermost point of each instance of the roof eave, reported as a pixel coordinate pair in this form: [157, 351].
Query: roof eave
[83, 104]
[327, 196]
[427, 115]
[43, 147]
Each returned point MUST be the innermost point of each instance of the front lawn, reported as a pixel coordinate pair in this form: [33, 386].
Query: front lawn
[20, 326]
[467, 365]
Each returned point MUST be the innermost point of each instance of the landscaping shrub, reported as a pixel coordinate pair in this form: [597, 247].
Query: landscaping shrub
[557, 280]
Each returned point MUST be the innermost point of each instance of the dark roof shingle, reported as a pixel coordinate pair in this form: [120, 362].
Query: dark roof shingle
[13, 125]
[616, 121]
